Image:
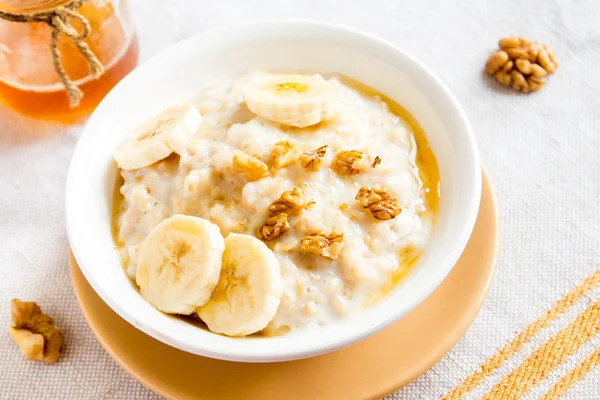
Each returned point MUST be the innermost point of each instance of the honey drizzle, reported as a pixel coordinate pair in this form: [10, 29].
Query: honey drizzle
[118, 206]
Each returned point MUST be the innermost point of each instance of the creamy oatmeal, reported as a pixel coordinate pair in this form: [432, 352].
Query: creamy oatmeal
[342, 189]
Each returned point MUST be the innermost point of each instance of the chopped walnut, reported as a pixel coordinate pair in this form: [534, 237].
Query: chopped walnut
[376, 162]
[377, 200]
[349, 162]
[274, 227]
[252, 167]
[30, 344]
[290, 202]
[311, 160]
[34, 332]
[522, 64]
[328, 246]
[284, 154]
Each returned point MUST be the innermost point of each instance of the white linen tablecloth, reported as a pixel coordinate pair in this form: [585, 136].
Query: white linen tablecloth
[541, 150]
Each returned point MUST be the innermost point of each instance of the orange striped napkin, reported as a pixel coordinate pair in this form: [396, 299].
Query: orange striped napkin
[547, 357]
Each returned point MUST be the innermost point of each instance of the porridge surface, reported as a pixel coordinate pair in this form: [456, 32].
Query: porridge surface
[203, 179]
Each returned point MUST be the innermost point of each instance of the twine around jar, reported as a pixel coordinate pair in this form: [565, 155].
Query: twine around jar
[57, 20]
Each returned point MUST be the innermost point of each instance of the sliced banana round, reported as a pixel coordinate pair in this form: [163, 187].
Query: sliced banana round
[249, 289]
[179, 264]
[158, 137]
[295, 100]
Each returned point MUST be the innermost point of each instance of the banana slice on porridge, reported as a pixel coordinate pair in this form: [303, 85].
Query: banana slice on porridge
[294, 100]
[179, 263]
[249, 289]
[158, 137]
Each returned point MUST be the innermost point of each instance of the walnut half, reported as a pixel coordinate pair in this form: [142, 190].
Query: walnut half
[328, 246]
[35, 333]
[521, 63]
[311, 160]
[251, 167]
[274, 226]
[379, 203]
[349, 162]
[290, 202]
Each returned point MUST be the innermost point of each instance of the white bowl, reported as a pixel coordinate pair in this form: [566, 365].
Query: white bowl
[178, 74]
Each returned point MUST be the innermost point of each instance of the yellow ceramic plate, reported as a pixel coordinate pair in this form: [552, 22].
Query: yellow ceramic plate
[371, 368]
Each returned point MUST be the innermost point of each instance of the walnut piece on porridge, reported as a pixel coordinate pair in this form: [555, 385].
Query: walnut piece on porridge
[290, 202]
[311, 160]
[251, 167]
[349, 162]
[274, 227]
[285, 153]
[35, 333]
[379, 203]
[328, 246]
[376, 162]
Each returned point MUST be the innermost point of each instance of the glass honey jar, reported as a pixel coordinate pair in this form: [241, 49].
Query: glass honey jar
[92, 42]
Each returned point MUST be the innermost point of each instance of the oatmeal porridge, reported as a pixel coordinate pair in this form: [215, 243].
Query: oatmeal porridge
[295, 200]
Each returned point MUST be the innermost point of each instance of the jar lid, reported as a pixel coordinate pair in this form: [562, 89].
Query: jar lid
[30, 6]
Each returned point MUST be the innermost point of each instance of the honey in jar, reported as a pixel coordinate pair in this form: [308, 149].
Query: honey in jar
[29, 83]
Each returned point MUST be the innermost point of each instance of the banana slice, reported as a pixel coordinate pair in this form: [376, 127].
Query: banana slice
[179, 264]
[249, 289]
[158, 137]
[295, 100]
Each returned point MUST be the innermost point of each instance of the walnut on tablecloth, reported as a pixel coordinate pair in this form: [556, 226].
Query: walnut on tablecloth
[35, 333]
[522, 64]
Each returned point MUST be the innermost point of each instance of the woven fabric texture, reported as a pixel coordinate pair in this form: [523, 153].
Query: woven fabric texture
[541, 150]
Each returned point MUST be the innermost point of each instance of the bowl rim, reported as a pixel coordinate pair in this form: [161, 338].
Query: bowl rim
[317, 347]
